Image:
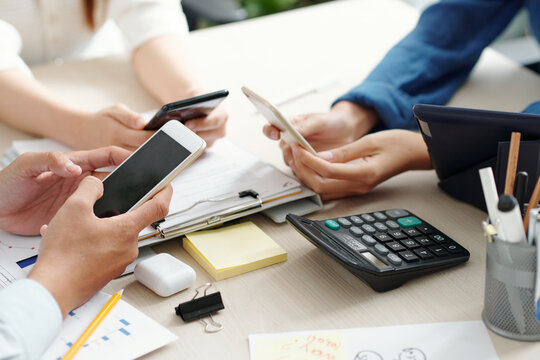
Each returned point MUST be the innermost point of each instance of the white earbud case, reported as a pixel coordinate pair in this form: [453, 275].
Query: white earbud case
[164, 274]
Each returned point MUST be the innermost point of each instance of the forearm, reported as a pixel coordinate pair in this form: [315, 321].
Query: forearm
[163, 66]
[28, 106]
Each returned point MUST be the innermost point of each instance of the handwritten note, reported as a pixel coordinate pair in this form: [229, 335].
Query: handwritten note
[438, 341]
[327, 346]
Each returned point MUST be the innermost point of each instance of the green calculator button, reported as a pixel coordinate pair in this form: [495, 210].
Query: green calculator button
[331, 224]
[409, 221]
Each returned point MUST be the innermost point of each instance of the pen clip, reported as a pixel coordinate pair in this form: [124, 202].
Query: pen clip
[217, 199]
[211, 219]
[489, 231]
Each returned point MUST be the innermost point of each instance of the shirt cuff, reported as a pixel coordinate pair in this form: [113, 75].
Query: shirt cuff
[393, 107]
[32, 314]
[533, 108]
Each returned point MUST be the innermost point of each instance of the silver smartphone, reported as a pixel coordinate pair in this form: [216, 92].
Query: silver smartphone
[149, 169]
[288, 132]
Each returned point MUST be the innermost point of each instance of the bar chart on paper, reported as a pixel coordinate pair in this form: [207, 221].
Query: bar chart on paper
[125, 333]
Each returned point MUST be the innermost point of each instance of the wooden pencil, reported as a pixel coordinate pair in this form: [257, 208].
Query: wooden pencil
[511, 166]
[533, 203]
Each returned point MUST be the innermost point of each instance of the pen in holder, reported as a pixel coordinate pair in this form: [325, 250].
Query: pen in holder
[509, 308]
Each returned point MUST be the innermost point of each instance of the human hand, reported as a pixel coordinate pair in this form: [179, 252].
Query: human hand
[379, 156]
[115, 125]
[211, 127]
[35, 185]
[343, 124]
[80, 253]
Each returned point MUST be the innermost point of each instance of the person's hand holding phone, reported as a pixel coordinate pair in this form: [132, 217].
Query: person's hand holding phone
[343, 124]
[35, 185]
[379, 156]
[201, 114]
[80, 253]
[115, 125]
[212, 127]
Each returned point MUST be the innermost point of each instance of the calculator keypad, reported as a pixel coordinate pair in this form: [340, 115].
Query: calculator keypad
[344, 222]
[383, 248]
[394, 237]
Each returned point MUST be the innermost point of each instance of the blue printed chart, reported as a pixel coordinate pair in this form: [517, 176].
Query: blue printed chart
[125, 333]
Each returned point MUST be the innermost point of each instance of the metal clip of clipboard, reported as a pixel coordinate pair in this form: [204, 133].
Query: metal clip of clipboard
[209, 219]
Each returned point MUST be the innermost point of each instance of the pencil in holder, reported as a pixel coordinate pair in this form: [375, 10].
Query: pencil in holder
[509, 293]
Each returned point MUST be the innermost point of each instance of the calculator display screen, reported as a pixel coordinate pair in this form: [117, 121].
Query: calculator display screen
[372, 259]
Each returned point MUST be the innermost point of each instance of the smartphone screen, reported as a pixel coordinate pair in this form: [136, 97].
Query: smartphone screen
[137, 176]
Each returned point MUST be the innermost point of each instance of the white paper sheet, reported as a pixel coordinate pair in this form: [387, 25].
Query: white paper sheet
[126, 333]
[467, 340]
[9, 270]
[19, 247]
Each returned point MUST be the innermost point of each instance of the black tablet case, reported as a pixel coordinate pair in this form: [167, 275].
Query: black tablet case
[462, 141]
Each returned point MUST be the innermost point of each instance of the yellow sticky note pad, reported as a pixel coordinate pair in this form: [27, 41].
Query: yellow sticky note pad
[233, 250]
[305, 347]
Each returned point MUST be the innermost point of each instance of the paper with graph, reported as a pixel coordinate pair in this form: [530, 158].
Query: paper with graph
[126, 333]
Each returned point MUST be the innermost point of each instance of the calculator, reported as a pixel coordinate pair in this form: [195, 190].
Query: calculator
[383, 248]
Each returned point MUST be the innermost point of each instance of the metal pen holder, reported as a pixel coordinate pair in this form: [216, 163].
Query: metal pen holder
[509, 294]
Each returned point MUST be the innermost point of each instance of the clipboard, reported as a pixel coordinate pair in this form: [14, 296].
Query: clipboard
[227, 183]
[302, 202]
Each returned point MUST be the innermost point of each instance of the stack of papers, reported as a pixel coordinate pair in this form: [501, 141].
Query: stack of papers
[233, 250]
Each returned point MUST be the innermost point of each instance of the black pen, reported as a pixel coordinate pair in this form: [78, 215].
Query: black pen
[522, 180]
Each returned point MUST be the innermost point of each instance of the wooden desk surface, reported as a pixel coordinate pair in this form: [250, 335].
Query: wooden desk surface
[275, 55]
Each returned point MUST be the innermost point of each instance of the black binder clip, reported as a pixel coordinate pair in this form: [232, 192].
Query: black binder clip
[200, 307]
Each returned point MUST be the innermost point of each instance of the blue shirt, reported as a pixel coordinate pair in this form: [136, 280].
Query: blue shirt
[431, 62]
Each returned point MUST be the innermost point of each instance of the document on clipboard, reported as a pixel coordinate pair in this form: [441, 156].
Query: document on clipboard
[225, 183]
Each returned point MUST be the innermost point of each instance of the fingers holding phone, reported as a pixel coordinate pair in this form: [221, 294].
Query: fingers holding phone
[200, 114]
[149, 169]
[115, 125]
[211, 127]
[289, 133]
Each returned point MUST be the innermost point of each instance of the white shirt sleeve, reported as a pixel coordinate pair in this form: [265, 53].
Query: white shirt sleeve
[142, 20]
[30, 320]
[10, 48]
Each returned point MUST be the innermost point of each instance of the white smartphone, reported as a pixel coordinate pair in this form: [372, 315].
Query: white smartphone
[149, 169]
[288, 132]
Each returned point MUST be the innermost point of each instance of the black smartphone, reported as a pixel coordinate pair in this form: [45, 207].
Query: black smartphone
[183, 110]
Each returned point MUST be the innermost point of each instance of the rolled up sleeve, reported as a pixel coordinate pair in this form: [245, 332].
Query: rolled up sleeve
[430, 63]
[142, 20]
